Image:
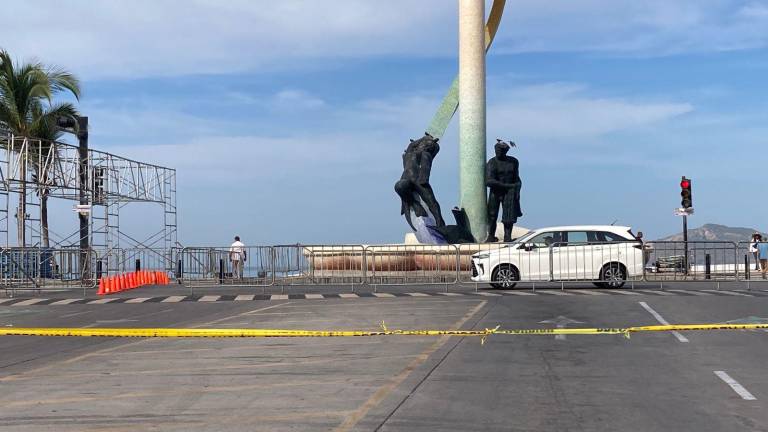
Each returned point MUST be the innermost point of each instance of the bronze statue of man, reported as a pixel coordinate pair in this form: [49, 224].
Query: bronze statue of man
[413, 186]
[502, 177]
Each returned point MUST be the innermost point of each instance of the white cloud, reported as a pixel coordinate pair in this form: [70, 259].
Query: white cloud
[565, 111]
[136, 38]
[540, 117]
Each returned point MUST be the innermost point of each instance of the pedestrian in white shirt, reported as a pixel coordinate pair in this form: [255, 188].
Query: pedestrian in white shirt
[237, 256]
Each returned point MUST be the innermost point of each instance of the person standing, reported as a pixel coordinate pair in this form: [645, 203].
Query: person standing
[756, 237]
[762, 250]
[237, 256]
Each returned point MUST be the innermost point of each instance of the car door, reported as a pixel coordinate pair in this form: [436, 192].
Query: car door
[535, 256]
[570, 259]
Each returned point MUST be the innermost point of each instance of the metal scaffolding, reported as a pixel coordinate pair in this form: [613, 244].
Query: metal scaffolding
[32, 171]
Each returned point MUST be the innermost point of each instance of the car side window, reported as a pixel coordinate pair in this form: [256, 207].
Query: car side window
[546, 239]
[576, 238]
[611, 237]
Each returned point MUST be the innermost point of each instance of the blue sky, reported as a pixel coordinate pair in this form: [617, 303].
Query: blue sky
[286, 120]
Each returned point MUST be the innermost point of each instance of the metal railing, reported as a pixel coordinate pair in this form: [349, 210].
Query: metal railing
[378, 265]
[39, 269]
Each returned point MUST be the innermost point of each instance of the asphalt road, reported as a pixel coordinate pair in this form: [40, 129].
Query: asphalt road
[697, 381]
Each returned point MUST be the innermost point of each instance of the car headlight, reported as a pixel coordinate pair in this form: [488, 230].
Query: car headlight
[483, 256]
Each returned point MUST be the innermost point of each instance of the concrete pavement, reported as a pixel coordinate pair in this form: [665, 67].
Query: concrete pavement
[651, 382]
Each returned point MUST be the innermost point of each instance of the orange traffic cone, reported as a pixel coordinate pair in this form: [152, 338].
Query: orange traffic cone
[123, 283]
[101, 287]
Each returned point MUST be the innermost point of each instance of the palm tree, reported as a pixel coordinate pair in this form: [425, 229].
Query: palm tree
[28, 111]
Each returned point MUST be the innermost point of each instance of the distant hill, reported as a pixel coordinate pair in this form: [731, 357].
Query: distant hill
[714, 232]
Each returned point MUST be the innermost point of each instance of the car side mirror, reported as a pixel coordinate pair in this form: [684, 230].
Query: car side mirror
[529, 247]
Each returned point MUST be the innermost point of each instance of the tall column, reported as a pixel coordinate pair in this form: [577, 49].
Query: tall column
[472, 115]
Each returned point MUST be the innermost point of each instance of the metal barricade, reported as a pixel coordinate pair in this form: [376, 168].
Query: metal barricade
[303, 265]
[122, 260]
[748, 265]
[692, 261]
[47, 269]
[211, 266]
[412, 264]
[605, 264]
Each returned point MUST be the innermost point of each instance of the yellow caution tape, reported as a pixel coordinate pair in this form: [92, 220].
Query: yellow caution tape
[252, 333]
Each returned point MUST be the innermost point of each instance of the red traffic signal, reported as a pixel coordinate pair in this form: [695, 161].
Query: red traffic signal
[685, 193]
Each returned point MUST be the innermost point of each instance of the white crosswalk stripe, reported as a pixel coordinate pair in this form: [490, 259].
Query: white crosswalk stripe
[696, 293]
[557, 293]
[173, 299]
[625, 292]
[656, 292]
[346, 295]
[520, 293]
[385, 295]
[102, 301]
[452, 294]
[730, 293]
[138, 300]
[245, 297]
[487, 294]
[64, 302]
[273, 297]
[314, 296]
[28, 302]
[415, 294]
[590, 292]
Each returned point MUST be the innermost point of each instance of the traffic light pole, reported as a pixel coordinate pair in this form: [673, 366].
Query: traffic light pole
[685, 241]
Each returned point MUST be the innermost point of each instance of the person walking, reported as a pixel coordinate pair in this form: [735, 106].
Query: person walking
[756, 237]
[237, 256]
[762, 250]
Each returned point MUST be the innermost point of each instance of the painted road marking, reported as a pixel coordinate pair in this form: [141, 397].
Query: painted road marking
[273, 297]
[173, 299]
[520, 293]
[138, 300]
[625, 292]
[64, 302]
[450, 294]
[415, 294]
[245, 297]
[557, 293]
[696, 293]
[383, 295]
[483, 293]
[314, 296]
[730, 293]
[662, 321]
[28, 302]
[590, 292]
[656, 292]
[102, 301]
[7, 300]
[348, 295]
[213, 298]
[738, 388]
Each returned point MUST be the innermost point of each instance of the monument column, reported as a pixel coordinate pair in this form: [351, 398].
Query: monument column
[472, 115]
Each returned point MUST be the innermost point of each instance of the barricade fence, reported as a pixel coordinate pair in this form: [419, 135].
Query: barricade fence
[605, 264]
[37, 269]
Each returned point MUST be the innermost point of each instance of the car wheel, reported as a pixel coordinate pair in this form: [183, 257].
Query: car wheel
[614, 275]
[505, 276]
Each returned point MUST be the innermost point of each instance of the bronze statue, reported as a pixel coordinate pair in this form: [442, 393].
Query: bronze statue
[502, 177]
[413, 186]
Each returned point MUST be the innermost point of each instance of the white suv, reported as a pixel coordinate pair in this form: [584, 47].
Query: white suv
[603, 254]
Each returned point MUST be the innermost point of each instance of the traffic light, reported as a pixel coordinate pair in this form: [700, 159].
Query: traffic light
[685, 193]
